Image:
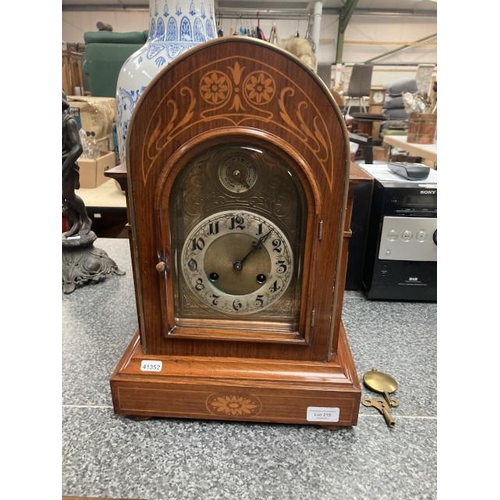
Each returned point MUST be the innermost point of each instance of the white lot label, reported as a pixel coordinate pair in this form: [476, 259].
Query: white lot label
[150, 366]
[322, 414]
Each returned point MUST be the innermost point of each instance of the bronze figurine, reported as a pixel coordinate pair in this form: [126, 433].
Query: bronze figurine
[73, 205]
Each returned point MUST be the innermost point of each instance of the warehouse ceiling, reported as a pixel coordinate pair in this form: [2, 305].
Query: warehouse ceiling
[375, 7]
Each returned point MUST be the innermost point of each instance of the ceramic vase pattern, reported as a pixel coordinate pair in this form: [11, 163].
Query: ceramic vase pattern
[175, 26]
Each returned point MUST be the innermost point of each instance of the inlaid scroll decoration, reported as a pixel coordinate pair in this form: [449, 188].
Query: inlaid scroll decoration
[241, 92]
[233, 405]
[175, 116]
[315, 139]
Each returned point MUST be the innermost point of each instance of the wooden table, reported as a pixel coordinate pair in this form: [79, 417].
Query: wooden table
[107, 207]
[426, 151]
[368, 123]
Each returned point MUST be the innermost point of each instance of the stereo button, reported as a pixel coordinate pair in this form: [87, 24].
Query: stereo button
[421, 235]
[407, 235]
[392, 235]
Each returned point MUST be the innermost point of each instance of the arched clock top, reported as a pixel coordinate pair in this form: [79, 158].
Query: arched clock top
[238, 90]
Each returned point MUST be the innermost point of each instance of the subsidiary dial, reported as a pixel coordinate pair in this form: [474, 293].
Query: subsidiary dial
[238, 173]
[237, 262]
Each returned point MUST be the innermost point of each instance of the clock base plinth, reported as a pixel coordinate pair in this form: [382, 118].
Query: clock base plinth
[323, 394]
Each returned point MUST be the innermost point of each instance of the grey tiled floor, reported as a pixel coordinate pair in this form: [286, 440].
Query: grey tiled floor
[105, 455]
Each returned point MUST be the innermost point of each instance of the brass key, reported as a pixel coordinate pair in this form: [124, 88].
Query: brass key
[381, 405]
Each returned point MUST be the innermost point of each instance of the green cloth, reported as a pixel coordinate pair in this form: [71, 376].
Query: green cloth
[113, 37]
[105, 54]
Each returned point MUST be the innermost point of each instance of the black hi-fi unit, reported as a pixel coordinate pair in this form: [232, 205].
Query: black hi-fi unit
[401, 253]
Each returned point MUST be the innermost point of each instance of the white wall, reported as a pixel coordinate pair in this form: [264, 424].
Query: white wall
[364, 38]
[75, 24]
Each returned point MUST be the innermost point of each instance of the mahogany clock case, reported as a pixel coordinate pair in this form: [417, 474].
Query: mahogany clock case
[238, 176]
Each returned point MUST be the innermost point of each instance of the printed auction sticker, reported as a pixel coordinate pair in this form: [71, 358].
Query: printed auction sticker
[322, 414]
[150, 366]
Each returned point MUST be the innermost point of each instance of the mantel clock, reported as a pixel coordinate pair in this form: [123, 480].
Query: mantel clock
[377, 99]
[238, 173]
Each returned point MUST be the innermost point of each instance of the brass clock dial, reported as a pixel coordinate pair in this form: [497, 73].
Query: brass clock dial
[237, 262]
[237, 173]
[239, 220]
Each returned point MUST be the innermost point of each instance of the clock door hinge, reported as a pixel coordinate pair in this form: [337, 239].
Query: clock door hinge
[320, 230]
[313, 314]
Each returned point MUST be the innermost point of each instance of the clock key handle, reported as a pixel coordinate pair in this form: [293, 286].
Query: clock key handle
[381, 405]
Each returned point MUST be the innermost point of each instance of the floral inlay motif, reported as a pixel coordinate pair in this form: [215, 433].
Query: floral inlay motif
[215, 87]
[259, 87]
[233, 405]
[236, 94]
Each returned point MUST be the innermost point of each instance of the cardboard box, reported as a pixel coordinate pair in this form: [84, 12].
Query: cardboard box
[97, 114]
[106, 143]
[92, 171]
[380, 153]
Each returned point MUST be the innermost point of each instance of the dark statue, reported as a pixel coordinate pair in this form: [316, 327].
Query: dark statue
[81, 262]
[73, 205]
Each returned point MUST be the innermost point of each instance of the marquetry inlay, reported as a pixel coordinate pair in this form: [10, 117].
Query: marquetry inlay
[233, 405]
[238, 91]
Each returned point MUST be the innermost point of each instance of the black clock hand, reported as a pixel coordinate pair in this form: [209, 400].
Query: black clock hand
[238, 265]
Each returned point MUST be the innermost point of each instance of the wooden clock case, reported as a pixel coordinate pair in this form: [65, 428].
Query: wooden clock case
[377, 99]
[239, 89]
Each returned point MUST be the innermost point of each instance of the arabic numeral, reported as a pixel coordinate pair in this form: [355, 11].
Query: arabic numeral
[237, 305]
[215, 301]
[258, 301]
[282, 266]
[237, 222]
[198, 244]
[275, 287]
[151, 366]
[192, 265]
[277, 245]
[213, 227]
[199, 285]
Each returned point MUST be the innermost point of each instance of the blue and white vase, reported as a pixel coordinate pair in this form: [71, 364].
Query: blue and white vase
[175, 26]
